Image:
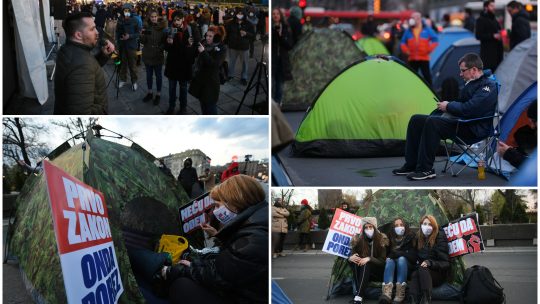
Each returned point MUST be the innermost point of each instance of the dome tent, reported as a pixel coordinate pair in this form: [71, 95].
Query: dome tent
[447, 65]
[315, 59]
[517, 72]
[364, 111]
[372, 46]
[125, 175]
[516, 115]
[413, 204]
[447, 37]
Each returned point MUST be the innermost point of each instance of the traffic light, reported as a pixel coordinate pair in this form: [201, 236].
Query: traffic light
[302, 4]
[376, 6]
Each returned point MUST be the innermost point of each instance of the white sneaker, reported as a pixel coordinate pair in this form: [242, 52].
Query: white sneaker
[134, 87]
[274, 256]
[357, 300]
[121, 84]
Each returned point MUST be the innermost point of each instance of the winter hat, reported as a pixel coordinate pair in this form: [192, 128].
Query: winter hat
[369, 220]
[304, 202]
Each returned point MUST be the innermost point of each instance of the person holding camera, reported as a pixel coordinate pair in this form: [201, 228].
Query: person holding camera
[127, 33]
[206, 83]
[79, 84]
[181, 53]
[153, 38]
[240, 33]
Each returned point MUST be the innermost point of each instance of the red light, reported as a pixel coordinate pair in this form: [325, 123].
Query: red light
[302, 21]
[302, 4]
[386, 35]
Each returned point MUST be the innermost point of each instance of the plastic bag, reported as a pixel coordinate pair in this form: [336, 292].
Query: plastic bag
[175, 245]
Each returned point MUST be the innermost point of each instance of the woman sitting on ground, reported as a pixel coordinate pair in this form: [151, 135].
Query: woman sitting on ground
[239, 272]
[399, 261]
[432, 264]
[367, 257]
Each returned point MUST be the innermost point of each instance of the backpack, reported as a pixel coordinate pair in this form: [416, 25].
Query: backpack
[480, 287]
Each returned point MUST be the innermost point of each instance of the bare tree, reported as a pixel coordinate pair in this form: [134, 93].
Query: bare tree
[285, 195]
[75, 126]
[22, 139]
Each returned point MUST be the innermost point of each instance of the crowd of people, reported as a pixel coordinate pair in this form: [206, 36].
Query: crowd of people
[199, 45]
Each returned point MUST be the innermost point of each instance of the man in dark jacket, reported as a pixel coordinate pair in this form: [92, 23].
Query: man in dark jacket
[127, 33]
[488, 32]
[424, 132]
[239, 34]
[188, 176]
[101, 17]
[79, 84]
[521, 28]
[469, 21]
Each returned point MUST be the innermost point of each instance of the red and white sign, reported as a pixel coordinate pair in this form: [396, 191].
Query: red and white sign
[344, 226]
[83, 234]
[194, 213]
[464, 236]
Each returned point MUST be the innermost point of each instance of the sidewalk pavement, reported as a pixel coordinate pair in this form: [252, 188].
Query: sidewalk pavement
[130, 102]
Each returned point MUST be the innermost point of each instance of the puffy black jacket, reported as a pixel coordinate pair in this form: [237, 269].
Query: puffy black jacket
[180, 57]
[406, 249]
[477, 99]
[239, 272]
[234, 40]
[437, 256]
[521, 28]
[79, 83]
[153, 40]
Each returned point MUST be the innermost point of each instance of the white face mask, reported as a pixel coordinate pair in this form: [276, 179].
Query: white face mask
[427, 230]
[240, 17]
[412, 22]
[369, 233]
[127, 14]
[251, 14]
[223, 214]
[399, 230]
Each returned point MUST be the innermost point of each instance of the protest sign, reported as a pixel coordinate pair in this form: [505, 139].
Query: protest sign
[464, 236]
[344, 226]
[83, 234]
[193, 214]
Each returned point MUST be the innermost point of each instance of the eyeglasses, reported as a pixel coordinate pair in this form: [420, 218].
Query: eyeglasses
[464, 70]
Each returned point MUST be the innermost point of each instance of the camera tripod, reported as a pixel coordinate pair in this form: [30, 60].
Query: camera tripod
[116, 72]
[259, 70]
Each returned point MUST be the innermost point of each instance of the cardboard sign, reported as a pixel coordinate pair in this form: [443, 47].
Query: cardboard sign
[81, 224]
[344, 226]
[193, 214]
[464, 236]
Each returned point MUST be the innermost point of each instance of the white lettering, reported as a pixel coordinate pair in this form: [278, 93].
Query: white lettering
[71, 192]
[73, 237]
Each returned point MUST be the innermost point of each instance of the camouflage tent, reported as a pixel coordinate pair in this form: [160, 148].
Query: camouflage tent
[316, 59]
[386, 205]
[126, 176]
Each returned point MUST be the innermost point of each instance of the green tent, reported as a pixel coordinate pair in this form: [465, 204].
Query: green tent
[128, 177]
[372, 46]
[364, 111]
[316, 59]
[386, 205]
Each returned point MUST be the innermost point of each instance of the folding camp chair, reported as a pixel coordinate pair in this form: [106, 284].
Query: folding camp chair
[476, 149]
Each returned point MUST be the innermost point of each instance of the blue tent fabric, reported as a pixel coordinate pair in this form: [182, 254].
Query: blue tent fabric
[521, 104]
[279, 175]
[278, 296]
[446, 38]
[447, 65]
[527, 175]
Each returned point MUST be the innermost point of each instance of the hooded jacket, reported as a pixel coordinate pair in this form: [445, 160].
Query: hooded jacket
[419, 49]
[477, 99]
[239, 272]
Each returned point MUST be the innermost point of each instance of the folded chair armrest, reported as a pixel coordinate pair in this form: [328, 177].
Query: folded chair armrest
[475, 119]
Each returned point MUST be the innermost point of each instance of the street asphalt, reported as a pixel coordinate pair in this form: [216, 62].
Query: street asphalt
[130, 102]
[364, 172]
[304, 276]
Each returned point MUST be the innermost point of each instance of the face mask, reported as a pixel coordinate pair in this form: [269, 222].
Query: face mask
[223, 214]
[251, 14]
[399, 230]
[412, 22]
[240, 17]
[369, 233]
[427, 230]
[127, 14]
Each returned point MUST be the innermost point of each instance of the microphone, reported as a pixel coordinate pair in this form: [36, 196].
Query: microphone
[103, 42]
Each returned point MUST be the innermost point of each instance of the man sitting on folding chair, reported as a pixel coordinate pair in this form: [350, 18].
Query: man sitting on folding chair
[477, 99]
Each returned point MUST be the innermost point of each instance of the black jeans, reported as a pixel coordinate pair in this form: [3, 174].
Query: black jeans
[305, 238]
[364, 274]
[424, 279]
[184, 290]
[424, 134]
[422, 66]
[278, 238]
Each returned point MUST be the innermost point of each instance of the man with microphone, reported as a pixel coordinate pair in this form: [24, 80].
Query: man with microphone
[79, 84]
